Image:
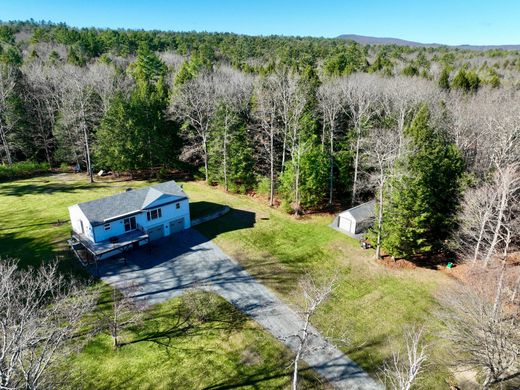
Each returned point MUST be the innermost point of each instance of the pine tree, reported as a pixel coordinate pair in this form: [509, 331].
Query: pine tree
[444, 79]
[422, 198]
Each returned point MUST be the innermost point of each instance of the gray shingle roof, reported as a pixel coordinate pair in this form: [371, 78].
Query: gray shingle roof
[102, 210]
[362, 212]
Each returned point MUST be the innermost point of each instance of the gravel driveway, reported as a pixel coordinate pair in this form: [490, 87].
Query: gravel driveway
[191, 260]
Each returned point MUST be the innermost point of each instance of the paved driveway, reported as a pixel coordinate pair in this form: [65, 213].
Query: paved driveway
[190, 260]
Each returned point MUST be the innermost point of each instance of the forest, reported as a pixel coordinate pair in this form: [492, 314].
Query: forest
[308, 125]
[313, 124]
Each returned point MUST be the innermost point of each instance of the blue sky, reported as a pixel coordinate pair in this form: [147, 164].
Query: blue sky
[441, 21]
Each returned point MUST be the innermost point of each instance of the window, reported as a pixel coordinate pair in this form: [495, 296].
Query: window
[153, 214]
[177, 205]
[106, 226]
[129, 224]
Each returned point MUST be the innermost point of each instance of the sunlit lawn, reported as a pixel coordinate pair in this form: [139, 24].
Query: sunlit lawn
[371, 303]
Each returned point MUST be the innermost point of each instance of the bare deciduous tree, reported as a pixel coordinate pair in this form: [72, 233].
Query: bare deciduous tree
[330, 102]
[382, 148]
[124, 311]
[314, 295]
[233, 93]
[404, 368]
[488, 212]
[362, 106]
[195, 104]
[80, 112]
[266, 111]
[483, 326]
[41, 312]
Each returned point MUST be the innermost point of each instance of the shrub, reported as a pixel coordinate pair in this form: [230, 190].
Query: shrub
[263, 185]
[22, 169]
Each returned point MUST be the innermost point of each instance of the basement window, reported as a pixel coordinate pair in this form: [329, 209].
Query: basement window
[106, 226]
[153, 214]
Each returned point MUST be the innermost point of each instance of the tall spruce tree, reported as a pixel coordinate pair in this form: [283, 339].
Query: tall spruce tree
[135, 132]
[423, 196]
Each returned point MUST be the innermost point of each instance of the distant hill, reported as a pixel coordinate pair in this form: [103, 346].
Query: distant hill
[366, 40]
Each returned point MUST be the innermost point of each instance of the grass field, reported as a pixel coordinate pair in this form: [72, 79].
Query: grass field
[372, 303]
[217, 349]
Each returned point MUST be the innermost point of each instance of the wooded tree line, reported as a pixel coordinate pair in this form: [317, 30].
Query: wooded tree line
[305, 135]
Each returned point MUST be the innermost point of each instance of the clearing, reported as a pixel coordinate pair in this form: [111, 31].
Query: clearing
[371, 303]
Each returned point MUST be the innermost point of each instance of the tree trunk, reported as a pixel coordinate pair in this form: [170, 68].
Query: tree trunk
[297, 184]
[6, 146]
[356, 167]
[331, 161]
[271, 195]
[225, 160]
[87, 150]
[205, 152]
[303, 340]
[503, 205]
[380, 220]
[284, 147]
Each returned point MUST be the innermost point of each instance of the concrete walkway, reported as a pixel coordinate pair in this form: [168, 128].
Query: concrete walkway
[190, 260]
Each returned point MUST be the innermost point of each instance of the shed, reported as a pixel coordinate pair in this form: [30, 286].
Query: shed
[357, 219]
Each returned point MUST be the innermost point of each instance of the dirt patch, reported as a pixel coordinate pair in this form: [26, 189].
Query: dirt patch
[397, 264]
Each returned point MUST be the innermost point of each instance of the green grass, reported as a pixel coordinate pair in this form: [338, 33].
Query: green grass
[34, 216]
[372, 303]
[221, 349]
[22, 169]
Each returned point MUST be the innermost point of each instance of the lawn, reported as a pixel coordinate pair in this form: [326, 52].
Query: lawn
[371, 303]
[222, 351]
[217, 348]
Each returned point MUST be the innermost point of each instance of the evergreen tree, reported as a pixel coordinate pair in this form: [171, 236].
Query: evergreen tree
[230, 153]
[444, 79]
[135, 133]
[313, 179]
[422, 198]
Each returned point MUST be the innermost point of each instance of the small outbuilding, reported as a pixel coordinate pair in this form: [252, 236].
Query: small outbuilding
[357, 219]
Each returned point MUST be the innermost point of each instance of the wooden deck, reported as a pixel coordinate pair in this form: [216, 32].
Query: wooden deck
[94, 250]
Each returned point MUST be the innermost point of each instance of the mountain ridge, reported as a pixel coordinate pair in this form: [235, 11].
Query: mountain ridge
[369, 40]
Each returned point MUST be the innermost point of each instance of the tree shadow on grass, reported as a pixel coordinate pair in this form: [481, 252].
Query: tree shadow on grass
[197, 313]
[247, 375]
[235, 219]
[46, 188]
[203, 208]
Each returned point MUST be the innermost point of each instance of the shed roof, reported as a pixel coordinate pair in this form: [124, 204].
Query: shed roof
[103, 210]
[361, 212]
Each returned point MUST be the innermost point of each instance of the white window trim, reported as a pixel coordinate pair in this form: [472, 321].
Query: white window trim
[158, 214]
[129, 223]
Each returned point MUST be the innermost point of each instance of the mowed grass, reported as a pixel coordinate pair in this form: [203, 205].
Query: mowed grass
[221, 349]
[225, 351]
[34, 215]
[371, 304]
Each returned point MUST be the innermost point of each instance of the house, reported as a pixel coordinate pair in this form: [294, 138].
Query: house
[356, 220]
[108, 226]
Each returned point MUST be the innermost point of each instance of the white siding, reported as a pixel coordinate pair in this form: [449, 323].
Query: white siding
[347, 223]
[169, 212]
[76, 217]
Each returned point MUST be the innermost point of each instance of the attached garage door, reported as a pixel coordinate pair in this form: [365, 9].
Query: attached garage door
[155, 233]
[177, 225]
[345, 224]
